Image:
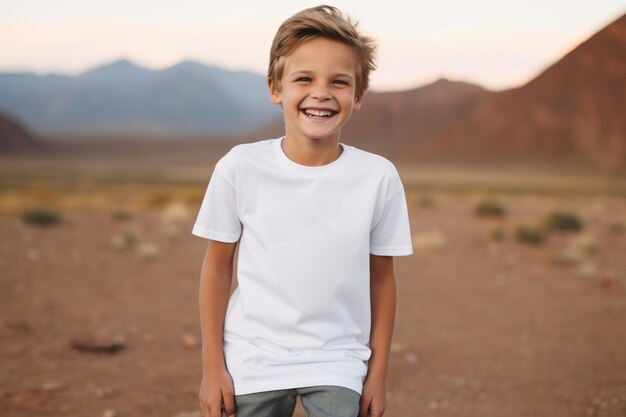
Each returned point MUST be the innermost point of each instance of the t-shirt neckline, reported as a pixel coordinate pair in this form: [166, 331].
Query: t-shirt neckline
[309, 170]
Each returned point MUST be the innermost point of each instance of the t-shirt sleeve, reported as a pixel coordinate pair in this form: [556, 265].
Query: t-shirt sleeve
[218, 218]
[391, 234]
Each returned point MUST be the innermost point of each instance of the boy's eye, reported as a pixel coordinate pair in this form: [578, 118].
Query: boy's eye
[303, 79]
[341, 82]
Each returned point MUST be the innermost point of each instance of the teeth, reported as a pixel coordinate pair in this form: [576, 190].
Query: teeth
[318, 113]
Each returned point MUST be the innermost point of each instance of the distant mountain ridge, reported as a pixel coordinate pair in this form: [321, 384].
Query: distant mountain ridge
[405, 118]
[189, 97]
[574, 110]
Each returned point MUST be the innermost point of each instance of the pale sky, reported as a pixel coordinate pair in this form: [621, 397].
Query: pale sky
[495, 43]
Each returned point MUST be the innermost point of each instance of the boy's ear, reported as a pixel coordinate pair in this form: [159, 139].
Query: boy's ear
[274, 95]
[357, 103]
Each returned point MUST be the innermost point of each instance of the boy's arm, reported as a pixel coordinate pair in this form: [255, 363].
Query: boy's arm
[215, 281]
[383, 299]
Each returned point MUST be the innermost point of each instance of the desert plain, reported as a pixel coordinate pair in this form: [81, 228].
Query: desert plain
[99, 310]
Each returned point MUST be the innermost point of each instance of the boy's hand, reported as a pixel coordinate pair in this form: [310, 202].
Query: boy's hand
[373, 400]
[217, 389]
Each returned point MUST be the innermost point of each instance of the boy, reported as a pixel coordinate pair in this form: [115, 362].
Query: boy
[318, 223]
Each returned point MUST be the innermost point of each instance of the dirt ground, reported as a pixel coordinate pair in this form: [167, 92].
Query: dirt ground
[484, 327]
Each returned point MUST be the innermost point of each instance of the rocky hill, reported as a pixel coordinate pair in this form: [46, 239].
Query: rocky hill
[573, 112]
[393, 122]
[14, 137]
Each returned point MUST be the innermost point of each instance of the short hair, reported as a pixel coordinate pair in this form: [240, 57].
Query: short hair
[328, 22]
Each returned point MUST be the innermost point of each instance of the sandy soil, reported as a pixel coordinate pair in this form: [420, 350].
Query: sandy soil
[484, 327]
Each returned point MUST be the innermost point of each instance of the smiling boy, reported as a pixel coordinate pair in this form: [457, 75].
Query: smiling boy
[318, 223]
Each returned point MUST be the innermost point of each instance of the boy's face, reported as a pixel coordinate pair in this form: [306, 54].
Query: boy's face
[317, 91]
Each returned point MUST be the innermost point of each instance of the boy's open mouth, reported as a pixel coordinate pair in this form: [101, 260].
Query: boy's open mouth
[318, 114]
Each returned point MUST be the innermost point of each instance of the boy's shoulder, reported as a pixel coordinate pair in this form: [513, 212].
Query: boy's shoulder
[371, 159]
[244, 151]
[248, 149]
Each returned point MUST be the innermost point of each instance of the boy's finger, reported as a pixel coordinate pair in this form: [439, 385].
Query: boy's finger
[364, 406]
[229, 403]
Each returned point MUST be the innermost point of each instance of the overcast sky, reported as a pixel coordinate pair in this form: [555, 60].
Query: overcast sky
[496, 43]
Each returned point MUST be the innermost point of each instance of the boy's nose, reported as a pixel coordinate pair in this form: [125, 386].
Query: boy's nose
[321, 92]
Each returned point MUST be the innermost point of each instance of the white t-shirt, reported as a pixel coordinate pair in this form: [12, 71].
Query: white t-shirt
[301, 313]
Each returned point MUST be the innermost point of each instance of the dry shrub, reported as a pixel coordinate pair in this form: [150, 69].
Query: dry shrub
[562, 221]
[41, 216]
[530, 235]
[121, 214]
[617, 226]
[425, 200]
[489, 207]
[156, 198]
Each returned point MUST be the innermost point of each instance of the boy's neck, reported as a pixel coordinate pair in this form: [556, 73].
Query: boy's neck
[310, 152]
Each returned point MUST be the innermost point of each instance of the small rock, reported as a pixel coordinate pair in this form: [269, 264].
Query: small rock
[30, 399]
[33, 255]
[51, 386]
[396, 347]
[148, 250]
[587, 270]
[104, 392]
[458, 382]
[572, 255]
[118, 242]
[411, 358]
[93, 345]
[190, 340]
[109, 413]
[433, 405]
[610, 284]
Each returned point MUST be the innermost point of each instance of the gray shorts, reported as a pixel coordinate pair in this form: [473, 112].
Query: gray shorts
[318, 401]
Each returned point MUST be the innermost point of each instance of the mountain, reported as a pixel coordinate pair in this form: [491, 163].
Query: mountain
[393, 121]
[15, 138]
[187, 98]
[572, 112]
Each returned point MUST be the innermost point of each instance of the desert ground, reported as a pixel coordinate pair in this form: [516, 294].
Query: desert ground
[99, 311]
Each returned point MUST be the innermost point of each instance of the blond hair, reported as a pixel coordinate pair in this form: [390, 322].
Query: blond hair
[328, 22]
